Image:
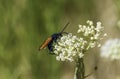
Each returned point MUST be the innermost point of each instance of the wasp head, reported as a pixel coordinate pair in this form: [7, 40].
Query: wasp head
[56, 36]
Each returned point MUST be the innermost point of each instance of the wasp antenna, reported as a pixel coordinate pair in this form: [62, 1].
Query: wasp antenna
[65, 26]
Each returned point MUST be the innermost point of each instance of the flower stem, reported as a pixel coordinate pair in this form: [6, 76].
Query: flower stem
[79, 70]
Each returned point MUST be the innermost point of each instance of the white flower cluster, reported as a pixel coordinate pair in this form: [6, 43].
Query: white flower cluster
[70, 47]
[111, 49]
[91, 34]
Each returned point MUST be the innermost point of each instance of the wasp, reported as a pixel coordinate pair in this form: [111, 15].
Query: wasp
[53, 38]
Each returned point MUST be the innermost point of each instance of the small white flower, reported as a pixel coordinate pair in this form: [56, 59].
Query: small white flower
[91, 38]
[81, 55]
[99, 45]
[92, 44]
[99, 24]
[96, 36]
[105, 34]
[89, 22]
[58, 58]
[111, 49]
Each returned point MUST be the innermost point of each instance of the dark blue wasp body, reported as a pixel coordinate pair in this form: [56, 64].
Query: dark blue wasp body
[53, 38]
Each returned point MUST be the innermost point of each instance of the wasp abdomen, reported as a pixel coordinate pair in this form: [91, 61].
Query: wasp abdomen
[45, 43]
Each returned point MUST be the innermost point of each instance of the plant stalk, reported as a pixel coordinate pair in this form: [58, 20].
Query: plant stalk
[79, 70]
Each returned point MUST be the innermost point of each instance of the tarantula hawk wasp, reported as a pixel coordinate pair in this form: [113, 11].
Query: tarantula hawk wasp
[49, 41]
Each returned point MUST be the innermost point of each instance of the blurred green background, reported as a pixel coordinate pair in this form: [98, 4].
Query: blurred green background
[25, 24]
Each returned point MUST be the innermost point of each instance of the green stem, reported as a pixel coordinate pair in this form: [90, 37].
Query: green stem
[79, 70]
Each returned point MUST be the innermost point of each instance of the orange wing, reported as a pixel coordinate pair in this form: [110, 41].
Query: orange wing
[45, 43]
